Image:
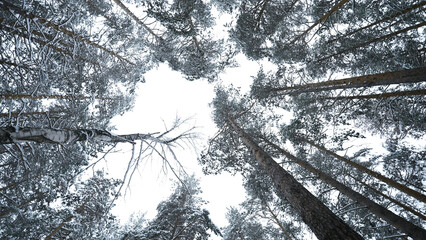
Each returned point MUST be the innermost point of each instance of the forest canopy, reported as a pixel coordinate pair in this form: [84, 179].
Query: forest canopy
[333, 75]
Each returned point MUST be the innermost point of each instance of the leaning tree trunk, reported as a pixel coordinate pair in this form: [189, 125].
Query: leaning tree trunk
[53, 96]
[324, 223]
[67, 136]
[65, 221]
[396, 202]
[132, 15]
[322, 19]
[43, 43]
[397, 77]
[419, 25]
[17, 114]
[5, 5]
[407, 10]
[4, 213]
[380, 95]
[398, 222]
[419, 196]
[277, 221]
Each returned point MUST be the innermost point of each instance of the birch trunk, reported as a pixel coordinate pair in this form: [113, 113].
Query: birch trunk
[66, 136]
[53, 96]
[324, 223]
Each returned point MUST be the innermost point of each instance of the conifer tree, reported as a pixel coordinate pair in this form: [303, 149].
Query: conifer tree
[179, 217]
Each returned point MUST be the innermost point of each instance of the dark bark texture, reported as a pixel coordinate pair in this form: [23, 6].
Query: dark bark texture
[324, 223]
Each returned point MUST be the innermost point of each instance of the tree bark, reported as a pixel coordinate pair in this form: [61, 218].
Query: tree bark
[6, 5]
[10, 135]
[322, 19]
[132, 15]
[398, 222]
[419, 25]
[402, 205]
[277, 221]
[324, 223]
[53, 96]
[415, 6]
[381, 95]
[177, 220]
[2, 214]
[390, 182]
[397, 77]
[43, 43]
[16, 114]
[62, 224]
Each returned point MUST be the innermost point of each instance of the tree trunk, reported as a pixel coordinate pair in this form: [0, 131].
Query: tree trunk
[67, 136]
[16, 114]
[313, 212]
[397, 77]
[132, 15]
[4, 61]
[62, 224]
[390, 182]
[277, 221]
[381, 95]
[398, 222]
[322, 19]
[2, 214]
[5, 5]
[43, 43]
[262, 10]
[415, 6]
[402, 205]
[46, 96]
[108, 18]
[373, 41]
[177, 221]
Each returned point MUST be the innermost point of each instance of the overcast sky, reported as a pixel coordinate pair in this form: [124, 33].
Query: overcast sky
[165, 95]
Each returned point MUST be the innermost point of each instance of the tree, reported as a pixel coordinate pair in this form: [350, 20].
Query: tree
[398, 222]
[182, 38]
[421, 92]
[314, 213]
[242, 227]
[79, 214]
[397, 77]
[179, 217]
[322, 19]
[260, 23]
[90, 206]
[55, 158]
[276, 217]
[390, 35]
[402, 205]
[362, 168]
[66, 65]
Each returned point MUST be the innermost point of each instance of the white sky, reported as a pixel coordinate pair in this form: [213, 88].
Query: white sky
[165, 95]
